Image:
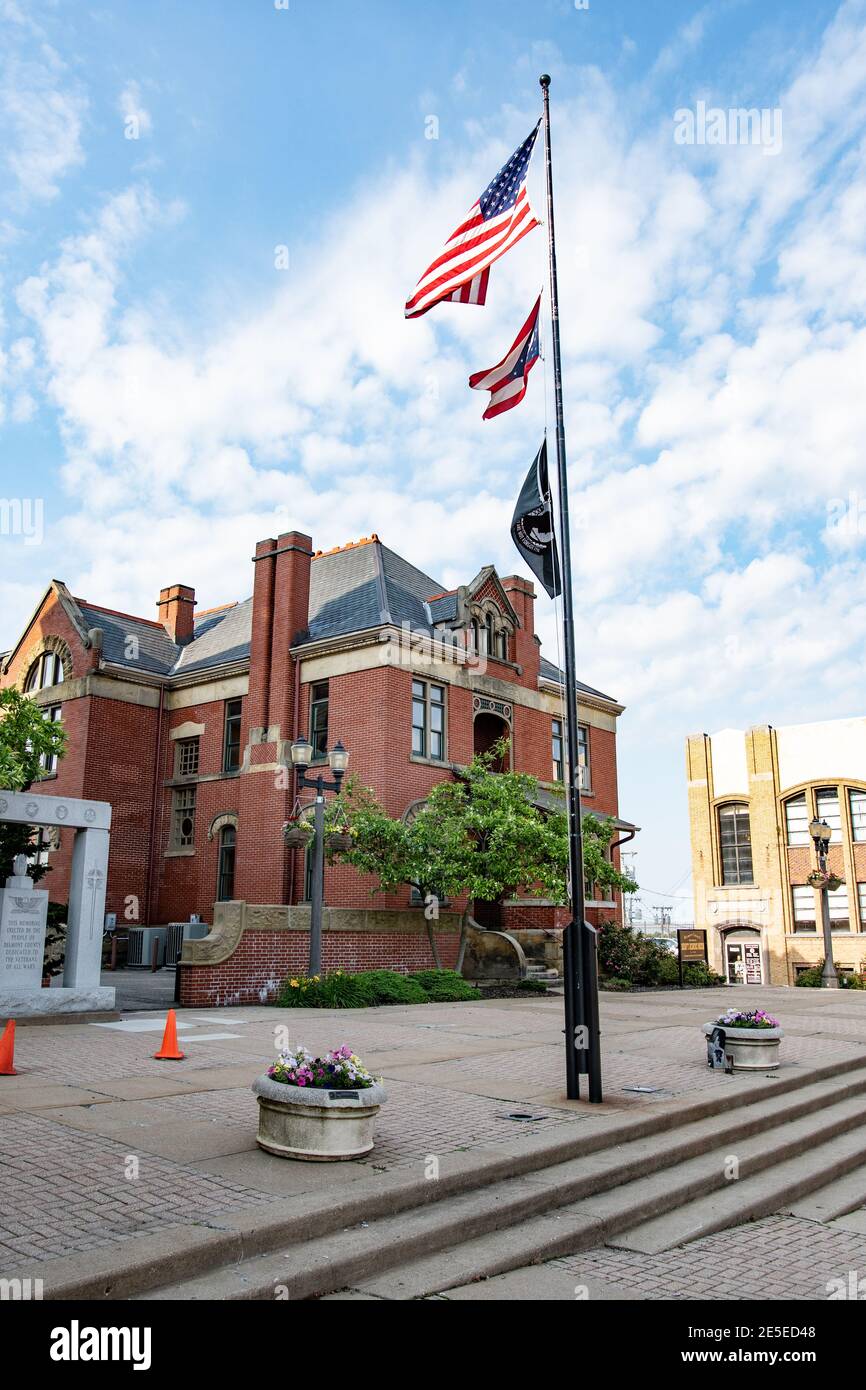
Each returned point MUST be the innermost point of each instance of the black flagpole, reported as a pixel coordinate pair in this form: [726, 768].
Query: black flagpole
[582, 1040]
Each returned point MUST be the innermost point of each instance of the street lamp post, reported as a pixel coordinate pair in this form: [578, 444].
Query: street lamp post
[338, 758]
[820, 832]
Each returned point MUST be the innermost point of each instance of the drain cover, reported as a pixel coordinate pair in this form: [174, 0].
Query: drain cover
[645, 1090]
[523, 1115]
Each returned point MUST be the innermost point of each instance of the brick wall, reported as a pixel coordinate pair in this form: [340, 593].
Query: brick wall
[254, 973]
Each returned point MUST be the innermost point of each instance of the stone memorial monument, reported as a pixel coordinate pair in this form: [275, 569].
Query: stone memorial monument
[24, 909]
[23, 919]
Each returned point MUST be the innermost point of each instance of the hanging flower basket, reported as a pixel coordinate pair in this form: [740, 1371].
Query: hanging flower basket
[818, 879]
[297, 834]
[339, 840]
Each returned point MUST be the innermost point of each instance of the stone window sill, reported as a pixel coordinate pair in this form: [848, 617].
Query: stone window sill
[179, 853]
[430, 762]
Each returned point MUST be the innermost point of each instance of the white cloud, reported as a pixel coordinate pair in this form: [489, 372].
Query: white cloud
[42, 114]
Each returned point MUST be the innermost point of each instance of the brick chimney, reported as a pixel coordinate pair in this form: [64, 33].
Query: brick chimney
[175, 608]
[527, 651]
[281, 602]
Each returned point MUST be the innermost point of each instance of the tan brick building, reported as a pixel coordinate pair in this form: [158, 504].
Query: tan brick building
[751, 798]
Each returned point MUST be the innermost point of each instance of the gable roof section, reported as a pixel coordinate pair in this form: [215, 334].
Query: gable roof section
[549, 672]
[156, 653]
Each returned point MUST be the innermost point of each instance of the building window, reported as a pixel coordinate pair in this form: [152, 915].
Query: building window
[41, 845]
[186, 757]
[428, 720]
[46, 670]
[583, 757]
[226, 875]
[803, 899]
[735, 843]
[503, 645]
[558, 752]
[827, 808]
[837, 901]
[183, 818]
[797, 820]
[319, 719]
[48, 761]
[232, 736]
[861, 904]
[857, 802]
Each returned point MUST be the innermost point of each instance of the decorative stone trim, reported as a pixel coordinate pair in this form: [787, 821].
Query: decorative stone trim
[219, 822]
[232, 919]
[49, 643]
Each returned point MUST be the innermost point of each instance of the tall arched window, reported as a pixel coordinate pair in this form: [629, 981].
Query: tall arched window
[735, 843]
[226, 875]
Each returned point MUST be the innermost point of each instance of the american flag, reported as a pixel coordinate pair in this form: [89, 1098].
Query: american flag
[500, 217]
[507, 381]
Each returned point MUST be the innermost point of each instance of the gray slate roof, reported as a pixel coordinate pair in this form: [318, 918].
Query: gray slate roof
[352, 589]
[550, 672]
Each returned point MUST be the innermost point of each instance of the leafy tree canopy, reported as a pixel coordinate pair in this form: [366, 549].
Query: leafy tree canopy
[25, 739]
[482, 834]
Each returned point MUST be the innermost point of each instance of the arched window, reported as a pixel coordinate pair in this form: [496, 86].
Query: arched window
[46, 670]
[735, 843]
[503, 644]
[226, 875]
[491, 635]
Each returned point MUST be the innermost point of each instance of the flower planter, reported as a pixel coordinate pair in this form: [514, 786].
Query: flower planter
[297, 838]
[337, 840]
[753, 1049]
[316, 1124]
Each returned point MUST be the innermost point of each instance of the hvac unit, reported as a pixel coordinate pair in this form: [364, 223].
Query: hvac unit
[140, 948]
[178, 933]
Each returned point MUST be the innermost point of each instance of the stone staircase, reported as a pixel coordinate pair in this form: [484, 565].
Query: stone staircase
[790, 1142]
[543, 952]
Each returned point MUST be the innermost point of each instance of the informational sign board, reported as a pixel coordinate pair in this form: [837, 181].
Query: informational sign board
[693, 945]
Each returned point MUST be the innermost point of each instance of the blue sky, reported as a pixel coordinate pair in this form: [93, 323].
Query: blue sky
[171, 396]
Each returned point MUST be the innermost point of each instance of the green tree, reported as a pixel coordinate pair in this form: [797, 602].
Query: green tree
[482, 835]
[25, 740]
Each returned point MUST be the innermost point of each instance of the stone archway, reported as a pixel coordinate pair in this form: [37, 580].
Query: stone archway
[744, 953]
[81, 990]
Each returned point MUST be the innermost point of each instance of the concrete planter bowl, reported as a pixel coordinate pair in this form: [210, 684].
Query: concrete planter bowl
[316, 1124]
[753, 1049]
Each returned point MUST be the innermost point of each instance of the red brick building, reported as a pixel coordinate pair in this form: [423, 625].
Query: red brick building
[184, 722]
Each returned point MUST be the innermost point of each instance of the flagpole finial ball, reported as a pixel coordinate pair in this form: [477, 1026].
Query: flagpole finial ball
[544, 79]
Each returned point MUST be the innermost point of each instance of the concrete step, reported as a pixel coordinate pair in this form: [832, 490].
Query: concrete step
[836, 1199]
[771, 1189]
[550, 1209]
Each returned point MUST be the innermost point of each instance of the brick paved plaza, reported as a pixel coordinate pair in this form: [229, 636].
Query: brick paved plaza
[103, 1147]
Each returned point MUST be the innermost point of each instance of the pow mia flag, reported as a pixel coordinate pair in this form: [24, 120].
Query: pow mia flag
[532, 526]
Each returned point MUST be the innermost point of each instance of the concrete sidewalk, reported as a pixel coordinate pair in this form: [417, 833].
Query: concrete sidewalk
[108, 1154]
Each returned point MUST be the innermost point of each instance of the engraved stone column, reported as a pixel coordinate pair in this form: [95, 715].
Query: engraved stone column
[86, 909]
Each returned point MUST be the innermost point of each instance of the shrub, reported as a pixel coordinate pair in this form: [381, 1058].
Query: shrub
[389, 987]
[699, 973]
[615, 984]
[625, 954]
[530, 986]
[336, 991]
[811, 979]
[444, 986]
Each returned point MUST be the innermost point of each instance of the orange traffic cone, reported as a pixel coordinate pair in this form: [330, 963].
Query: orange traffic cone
[7, 1050]
[169, 1052]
